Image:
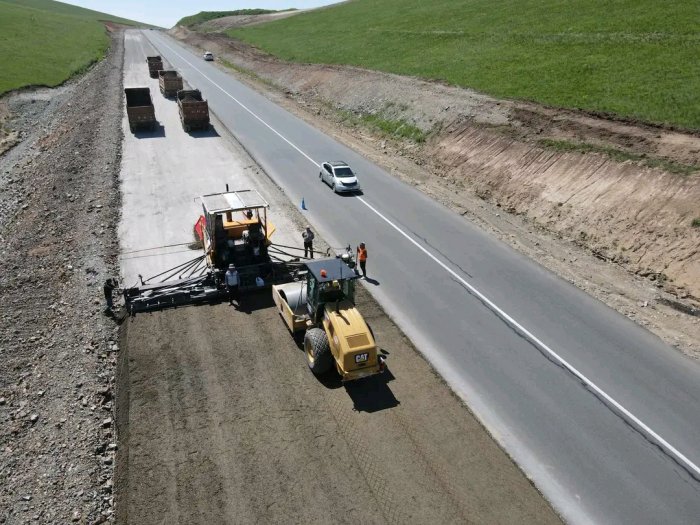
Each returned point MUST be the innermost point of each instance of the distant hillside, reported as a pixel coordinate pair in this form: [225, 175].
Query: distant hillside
[205, 16]
[632, 58]
[43, 42]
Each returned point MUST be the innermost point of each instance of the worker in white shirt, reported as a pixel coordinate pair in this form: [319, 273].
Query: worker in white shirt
[231, 280]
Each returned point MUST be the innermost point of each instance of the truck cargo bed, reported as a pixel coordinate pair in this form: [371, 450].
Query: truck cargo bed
[139, 108]
[155, 64]
[194, 110]
[170, 82]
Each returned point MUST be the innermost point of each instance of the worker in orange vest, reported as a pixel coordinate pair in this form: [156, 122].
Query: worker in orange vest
[362, 258]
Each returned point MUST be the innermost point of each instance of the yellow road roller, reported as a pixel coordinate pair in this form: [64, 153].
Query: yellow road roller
[321, 303]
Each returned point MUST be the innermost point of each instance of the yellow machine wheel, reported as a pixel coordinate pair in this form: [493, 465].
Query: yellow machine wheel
[318, 351]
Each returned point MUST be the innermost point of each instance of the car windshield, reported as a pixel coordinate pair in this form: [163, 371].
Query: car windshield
[344, 172]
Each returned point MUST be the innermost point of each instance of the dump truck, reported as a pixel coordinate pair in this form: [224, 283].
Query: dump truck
[139, 108]
[321, 304]
[155, 64]
[170, 82]
[194, 110]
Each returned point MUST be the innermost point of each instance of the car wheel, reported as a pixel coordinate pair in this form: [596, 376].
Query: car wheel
[333, 188]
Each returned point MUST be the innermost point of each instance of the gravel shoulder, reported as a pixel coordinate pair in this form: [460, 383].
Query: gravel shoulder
[59, 204]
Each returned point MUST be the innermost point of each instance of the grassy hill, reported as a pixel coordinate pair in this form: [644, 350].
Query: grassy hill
[205, 16]
[44, 42]
[633, 58]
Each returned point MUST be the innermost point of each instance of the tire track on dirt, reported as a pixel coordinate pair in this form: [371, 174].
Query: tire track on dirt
[388, 502]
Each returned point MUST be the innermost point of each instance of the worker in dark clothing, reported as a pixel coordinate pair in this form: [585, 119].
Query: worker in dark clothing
[232, 282]
[362, 258]
[109, 287]
[308, 236]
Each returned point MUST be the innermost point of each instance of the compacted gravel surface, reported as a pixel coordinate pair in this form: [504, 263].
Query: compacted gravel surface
[59, 205]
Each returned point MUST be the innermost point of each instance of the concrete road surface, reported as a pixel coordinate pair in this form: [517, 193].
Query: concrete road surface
[160, 202]
[600, 413]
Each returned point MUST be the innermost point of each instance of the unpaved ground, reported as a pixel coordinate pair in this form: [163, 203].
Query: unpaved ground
[59, 204]
[226, 424]
[619, 230]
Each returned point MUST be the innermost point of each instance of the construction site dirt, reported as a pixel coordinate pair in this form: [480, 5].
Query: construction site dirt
[220, 421]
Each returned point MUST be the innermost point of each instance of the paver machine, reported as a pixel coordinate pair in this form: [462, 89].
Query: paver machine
[233, 229]
[321, 304]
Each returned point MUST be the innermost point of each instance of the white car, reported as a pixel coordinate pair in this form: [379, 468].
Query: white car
[339, 177]
[208, 56]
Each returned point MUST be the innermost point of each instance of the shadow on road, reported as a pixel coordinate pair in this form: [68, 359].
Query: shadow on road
[157, 133]
[249, 302]
[372, 394]
[347, 194]
[204, 133]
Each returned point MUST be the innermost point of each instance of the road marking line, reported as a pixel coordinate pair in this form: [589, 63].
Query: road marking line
[531, 337]
[244, 107]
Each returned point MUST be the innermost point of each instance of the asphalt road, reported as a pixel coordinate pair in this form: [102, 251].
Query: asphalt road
[600, 414]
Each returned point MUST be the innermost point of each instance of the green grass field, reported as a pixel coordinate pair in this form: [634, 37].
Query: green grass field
[631, 58]
[44, 42]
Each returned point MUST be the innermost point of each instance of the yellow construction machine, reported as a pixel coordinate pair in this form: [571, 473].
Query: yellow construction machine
[322, 303]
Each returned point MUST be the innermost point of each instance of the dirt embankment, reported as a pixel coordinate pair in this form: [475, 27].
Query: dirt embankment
[59, 203]
[231, 22]
[617, 221]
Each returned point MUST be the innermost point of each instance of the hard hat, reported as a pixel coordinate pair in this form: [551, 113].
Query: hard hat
[231, 266]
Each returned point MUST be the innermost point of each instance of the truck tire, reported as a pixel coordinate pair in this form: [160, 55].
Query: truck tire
[318, 351]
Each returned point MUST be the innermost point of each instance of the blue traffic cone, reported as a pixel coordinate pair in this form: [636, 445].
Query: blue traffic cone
[303, 204]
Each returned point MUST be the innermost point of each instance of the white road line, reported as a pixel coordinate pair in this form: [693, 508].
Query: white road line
[243, 106]
[501, 313]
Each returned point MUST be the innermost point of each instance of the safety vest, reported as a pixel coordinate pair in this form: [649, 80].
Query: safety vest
[362, 254]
